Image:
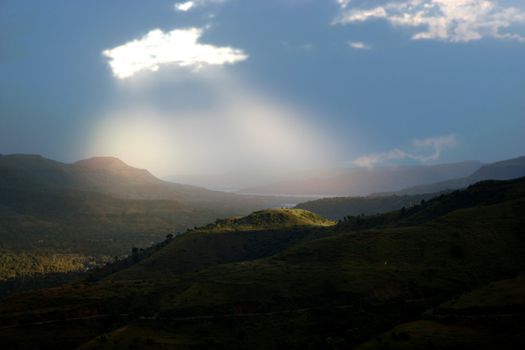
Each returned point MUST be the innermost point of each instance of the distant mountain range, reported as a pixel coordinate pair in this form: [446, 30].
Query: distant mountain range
[106, 175]
[399, 180]
[339, 207]
[364, 181]
[111, 176]
[502, 170]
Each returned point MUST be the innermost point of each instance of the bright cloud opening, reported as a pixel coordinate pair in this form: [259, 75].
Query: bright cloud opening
[180, 47]
[242, 130]
[190, 5]
[184, 6]
[446, 20]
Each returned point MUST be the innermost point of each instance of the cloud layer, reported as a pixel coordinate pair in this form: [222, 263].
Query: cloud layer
[436, 144]
[446, 20]
[180, 47]
[184, 6]
[189, 5]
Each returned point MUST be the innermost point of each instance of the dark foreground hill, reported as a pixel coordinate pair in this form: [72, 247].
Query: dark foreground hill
[303, 286]
[489, 317]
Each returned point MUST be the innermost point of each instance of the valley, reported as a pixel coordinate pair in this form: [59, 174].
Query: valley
[57, 217]
[288, 278]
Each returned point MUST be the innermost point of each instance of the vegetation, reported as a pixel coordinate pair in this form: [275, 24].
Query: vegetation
[268, 219]
[294, 286]
[57, 217]
[340, 207]
[14, 265]
[490, 317]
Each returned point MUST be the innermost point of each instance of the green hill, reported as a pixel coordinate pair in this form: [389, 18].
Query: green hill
[339, 207]
[269, 219]
[260, 234]
[480, 194]
[295, 286]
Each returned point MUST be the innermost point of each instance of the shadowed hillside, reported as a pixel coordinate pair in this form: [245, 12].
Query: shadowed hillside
[490, 317]
[308, 287]
[260, 234]
[339, 207]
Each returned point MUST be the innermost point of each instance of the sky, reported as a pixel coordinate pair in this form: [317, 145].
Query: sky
[215, 86]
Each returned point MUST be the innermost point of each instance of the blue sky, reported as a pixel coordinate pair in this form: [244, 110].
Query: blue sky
[281, 84]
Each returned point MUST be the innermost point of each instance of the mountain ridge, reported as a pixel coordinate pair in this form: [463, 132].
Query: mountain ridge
[500, 170]
[364, 181]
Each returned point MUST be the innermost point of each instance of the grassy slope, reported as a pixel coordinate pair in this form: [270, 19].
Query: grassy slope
[260, 234]
[490, 317]
[346, 269]
[269, 219]
[350, 284]
[461, 249]
[43, 229]
[501, 296]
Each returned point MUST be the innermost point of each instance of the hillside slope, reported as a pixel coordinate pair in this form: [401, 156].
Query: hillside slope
[490, 317]
[335, 287]
[96, 209]
[339, 207]
[260, 234]
[269, 219]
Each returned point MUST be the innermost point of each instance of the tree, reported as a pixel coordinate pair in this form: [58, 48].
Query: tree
[135, 254]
